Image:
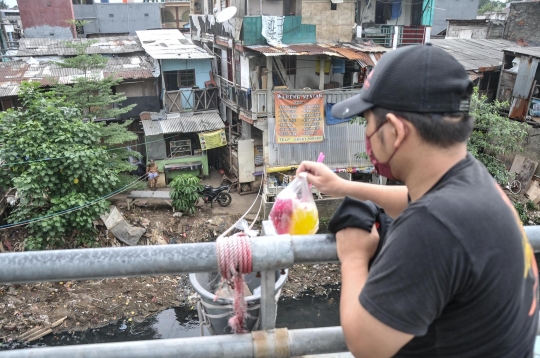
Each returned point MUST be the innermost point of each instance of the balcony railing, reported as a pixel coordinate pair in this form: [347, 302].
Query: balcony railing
[255, 101]
[385, 35]
[235, 95]
[191, 100]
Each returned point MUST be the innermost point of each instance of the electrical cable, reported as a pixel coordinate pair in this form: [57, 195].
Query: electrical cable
[243, 216]
[73, 156]
[89, 203]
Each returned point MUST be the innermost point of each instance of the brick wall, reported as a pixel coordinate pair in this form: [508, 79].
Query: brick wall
[523, 21]
[478, 31]
[332, 25]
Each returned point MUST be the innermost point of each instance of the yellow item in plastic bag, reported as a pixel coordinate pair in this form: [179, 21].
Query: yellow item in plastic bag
[304, 219]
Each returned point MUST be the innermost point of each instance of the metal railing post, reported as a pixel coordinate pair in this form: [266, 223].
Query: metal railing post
[268, 282]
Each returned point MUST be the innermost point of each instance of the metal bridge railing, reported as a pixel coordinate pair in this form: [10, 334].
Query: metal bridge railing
[270, 252]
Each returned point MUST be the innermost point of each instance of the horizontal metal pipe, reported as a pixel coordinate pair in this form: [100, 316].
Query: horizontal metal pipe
[269, 253]
[300, 342]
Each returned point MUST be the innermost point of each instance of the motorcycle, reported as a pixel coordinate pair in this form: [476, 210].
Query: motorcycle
[210, 195]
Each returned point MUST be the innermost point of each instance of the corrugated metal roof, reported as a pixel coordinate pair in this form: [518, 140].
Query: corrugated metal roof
[474, 54]
[350, 52]
[170, 45]
[529, 51]
[12, 73]
[104, 45]
[179, 123]
[151, 127]
[296, 50]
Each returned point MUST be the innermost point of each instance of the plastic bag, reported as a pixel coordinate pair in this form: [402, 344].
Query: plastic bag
[294, 211]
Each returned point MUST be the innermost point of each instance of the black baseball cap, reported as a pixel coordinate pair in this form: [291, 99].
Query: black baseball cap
[418, 78]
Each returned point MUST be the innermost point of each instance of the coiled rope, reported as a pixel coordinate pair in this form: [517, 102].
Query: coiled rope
[234, 259]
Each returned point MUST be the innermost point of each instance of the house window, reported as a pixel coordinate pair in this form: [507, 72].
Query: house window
[333, 6]
[175, 80]
[111, 15]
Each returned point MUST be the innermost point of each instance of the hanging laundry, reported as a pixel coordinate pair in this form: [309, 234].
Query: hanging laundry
[396, 9]
[331, 119]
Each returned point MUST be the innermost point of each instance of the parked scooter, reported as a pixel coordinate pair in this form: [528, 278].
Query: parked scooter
[210, 195]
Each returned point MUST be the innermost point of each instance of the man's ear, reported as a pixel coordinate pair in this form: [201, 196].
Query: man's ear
[399, 128]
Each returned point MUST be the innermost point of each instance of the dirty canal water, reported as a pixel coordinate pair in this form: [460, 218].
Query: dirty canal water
[307, 311]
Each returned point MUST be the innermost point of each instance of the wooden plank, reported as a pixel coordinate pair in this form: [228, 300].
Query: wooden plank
[524, 169]
[282, 73]
[533, 193]
[147, 194]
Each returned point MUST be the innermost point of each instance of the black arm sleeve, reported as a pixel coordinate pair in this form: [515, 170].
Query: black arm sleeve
[416, 274]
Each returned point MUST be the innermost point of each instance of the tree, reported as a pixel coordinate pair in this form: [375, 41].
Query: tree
[77, 173]
[490, 5]
[493, 134]
[94, 97]
[3, 5]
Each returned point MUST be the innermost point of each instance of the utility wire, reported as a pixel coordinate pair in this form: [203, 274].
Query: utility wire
[75, 154]
[89, 203]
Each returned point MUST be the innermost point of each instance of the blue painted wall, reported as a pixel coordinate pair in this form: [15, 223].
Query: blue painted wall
[202, 68]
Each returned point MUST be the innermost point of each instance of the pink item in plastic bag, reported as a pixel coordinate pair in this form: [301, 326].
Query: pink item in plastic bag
[294, 211]
[281, 214]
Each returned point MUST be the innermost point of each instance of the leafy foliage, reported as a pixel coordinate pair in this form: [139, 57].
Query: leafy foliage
[532, 206]
[94, 97]
[493, 134]
[185, 192]
[44, 127]
[490, 5]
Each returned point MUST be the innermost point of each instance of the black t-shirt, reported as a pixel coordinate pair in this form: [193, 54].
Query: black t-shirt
[458, 272]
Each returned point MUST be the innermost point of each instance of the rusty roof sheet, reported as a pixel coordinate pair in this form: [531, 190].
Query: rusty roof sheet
[30, 47]
[170, 45]
[13, 73]
[296, 50]
[350, 52]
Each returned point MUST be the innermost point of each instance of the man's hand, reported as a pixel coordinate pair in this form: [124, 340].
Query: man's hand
[356, 244]
[323, 178]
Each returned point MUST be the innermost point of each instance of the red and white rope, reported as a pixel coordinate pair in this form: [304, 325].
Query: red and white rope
[234, 260]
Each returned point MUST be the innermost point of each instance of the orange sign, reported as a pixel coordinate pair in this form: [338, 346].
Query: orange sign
[299, 117]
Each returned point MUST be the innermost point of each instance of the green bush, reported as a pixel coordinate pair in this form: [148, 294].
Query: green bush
[531, 206]
[185, 192]
[44, 127]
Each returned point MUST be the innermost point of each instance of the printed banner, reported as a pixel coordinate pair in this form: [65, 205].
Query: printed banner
[299, 117]
[211, 140]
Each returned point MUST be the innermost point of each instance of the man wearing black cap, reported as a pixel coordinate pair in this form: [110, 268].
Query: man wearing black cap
[456, 276]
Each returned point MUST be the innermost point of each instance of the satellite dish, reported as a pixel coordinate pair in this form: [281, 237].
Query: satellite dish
[226, 14]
